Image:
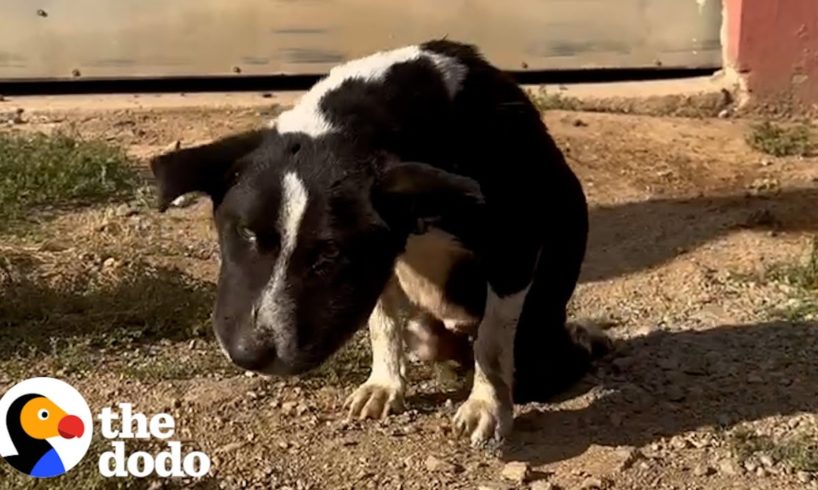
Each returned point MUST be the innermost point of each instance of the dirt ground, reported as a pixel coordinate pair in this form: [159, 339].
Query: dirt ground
[709, 388]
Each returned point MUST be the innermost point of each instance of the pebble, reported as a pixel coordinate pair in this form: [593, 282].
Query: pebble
[124, 210]
[703, 470]
[52, 246]
[762, 185]
[766, 460]
[702, 441]
[544, 485]
[727, 467]
[592, 483]
[679, 443]
[184, 201]
[492, 486]
[228, 448]
[516, 471]
[804, 476]
[437, 465]
[288, 408]
[627, 456]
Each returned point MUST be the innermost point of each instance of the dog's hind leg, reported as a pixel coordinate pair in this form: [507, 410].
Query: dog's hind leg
[551, 355]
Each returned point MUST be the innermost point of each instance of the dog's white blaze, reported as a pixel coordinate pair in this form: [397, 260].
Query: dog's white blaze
[307, 117]
[275, 308]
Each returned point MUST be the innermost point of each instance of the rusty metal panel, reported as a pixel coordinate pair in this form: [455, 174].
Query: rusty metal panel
[59, 39]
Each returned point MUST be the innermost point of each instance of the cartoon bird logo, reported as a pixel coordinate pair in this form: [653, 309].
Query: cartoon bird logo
[45, 427]
[31, 420]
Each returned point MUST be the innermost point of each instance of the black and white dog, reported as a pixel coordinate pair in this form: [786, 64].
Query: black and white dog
[417, 189]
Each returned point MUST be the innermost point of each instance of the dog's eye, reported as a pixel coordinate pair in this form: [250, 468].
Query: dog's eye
[327, 257]
[246, 234]
[42, 414]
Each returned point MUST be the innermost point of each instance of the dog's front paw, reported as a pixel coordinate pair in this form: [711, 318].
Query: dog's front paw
[483, 420]
[375, 400]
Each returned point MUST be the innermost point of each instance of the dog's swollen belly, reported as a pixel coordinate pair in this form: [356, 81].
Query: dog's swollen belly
[424, 272]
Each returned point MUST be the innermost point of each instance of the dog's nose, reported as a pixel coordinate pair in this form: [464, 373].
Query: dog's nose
[250, 355]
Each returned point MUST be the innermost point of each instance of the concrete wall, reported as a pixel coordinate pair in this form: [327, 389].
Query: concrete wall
[773, 46]
[116, 39]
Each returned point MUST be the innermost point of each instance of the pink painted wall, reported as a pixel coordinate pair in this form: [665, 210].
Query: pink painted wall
[774, 45]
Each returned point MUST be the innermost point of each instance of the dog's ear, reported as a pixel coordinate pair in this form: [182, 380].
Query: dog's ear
[412, 194]
[209, 168]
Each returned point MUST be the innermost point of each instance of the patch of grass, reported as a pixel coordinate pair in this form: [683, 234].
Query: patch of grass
[746, 443]
[804, 276]
[53, 171]
[799, 310]
[545, 101]
[70, 323]
[179, 362]
[798, 452]
[780, 141]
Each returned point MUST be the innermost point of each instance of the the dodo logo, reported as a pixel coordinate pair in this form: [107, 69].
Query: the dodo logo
[45, 427]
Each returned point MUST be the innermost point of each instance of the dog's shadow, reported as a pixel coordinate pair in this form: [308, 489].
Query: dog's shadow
[669, 383]
[627, 238]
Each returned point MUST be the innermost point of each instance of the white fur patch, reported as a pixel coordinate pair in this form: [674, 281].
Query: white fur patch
[488, 412]
[306, 117]
[384, 390]
[494, 349]
[452, 70]
[275, 308]
[386, 336]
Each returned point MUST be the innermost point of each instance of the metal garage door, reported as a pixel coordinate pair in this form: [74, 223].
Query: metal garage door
[57, 39]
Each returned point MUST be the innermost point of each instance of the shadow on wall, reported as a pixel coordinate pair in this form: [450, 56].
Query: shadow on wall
[630, 237]
[665, 384]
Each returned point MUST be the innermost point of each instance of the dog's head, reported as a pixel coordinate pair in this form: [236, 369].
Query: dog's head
[308, 233]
